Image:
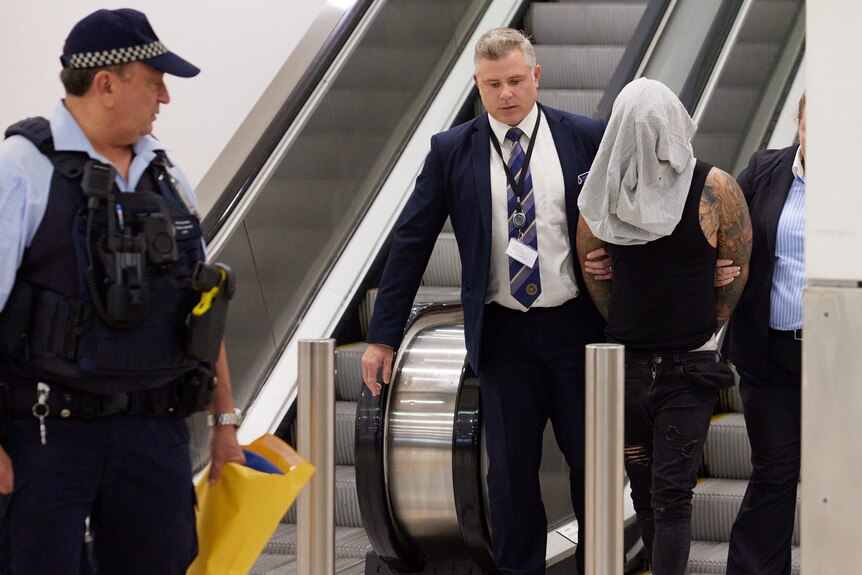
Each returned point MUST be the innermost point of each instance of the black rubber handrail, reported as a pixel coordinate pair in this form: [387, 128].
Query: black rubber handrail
[633, 56]
[392, 547]
[239, 185]
[467, 473]
[707, 57]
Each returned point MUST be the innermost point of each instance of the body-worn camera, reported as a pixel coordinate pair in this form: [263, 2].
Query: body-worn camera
[160, 238]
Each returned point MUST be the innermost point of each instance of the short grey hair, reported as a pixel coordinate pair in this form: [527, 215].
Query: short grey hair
[498, 42]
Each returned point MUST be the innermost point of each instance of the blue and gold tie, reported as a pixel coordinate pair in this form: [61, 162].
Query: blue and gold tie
[524, 282]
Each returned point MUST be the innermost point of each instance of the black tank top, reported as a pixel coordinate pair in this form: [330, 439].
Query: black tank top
[663, 299]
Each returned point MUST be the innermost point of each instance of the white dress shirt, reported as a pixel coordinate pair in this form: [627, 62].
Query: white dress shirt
[556, 259]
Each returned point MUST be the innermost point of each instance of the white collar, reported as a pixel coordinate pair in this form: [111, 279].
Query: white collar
[798, 169]
[527, 124]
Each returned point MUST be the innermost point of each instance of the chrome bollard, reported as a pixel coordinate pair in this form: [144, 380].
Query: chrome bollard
[605, 398]
[315, 433]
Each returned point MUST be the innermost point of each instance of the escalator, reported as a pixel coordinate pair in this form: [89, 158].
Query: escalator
[307, 209]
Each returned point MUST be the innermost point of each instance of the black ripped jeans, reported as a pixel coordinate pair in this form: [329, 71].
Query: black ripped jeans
[669, 403]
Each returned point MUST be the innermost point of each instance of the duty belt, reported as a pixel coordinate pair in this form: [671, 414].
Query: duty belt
[65, 402]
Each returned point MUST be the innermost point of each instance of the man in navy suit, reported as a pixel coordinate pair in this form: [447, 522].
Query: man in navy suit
[509, 180]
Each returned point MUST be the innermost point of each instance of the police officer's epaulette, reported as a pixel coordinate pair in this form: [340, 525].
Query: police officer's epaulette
[38, 131]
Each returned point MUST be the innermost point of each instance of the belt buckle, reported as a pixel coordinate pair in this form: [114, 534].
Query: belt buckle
[115, 403]
[797, 334]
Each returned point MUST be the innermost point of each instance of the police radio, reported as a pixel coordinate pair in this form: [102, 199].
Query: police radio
[97, 182]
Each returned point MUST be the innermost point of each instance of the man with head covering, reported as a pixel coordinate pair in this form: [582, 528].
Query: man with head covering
[99, 245]
[666, 218]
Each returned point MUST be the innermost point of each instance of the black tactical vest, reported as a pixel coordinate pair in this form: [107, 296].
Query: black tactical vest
[101, 298]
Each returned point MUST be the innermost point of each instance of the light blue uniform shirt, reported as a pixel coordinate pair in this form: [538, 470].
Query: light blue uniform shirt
[25, 184]
[788, 278]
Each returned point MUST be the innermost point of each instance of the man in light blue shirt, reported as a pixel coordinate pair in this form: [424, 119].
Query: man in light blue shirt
[99, 254]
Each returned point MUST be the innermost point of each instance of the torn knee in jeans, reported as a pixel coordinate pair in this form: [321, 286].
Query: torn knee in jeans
[671, 433]
[688, 448]
[638, 454]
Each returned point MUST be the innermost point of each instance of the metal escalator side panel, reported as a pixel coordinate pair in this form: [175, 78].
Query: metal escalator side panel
[420, 423]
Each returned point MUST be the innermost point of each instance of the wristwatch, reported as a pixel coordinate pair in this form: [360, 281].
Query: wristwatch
[233, 418]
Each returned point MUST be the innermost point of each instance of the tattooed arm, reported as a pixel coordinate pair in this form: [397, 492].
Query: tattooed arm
[600, 289]
[726, 225]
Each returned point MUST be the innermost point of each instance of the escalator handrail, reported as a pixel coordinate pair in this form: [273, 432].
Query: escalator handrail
[381, 526]
[242, 180]
[710, 51]
[656, 12]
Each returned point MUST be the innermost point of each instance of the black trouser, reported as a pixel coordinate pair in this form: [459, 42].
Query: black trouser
[669, 403]
[532, 370]
[762, 533]
[130, 474]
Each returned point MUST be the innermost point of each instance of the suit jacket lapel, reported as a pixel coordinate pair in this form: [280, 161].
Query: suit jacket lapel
[779, 188]
[481, 152]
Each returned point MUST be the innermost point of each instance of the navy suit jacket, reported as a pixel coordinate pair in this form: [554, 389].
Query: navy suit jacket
[766, 184]
[456, 182]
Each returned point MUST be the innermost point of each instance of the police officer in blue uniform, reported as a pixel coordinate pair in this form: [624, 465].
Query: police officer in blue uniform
[101, 354]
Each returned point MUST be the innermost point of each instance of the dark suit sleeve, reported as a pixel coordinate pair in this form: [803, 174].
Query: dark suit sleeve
[415, 236]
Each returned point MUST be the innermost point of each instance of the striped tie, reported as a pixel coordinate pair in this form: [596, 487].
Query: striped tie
[524, 282]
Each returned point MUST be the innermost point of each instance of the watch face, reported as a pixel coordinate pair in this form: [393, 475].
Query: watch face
[234, 418]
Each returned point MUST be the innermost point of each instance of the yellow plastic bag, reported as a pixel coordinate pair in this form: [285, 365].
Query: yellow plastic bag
[237, 516]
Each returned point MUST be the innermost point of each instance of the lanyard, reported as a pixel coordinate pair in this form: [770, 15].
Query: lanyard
[518, 187]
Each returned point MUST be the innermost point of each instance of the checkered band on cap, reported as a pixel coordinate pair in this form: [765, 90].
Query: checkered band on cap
[116, 56]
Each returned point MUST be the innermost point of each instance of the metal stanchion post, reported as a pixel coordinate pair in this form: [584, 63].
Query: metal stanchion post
[605, 397]
[316, 442]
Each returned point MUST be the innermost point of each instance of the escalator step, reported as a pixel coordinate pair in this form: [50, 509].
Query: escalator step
[444, 267]
[349, 542]
[346, 500]
[345, 424]
[578, 67]
[268, 564]
[583, 102]
[727, 453]
[730, 400]
[715, 505]
[348, 371]
[584, 22]
[710, 558]
[425, 295]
